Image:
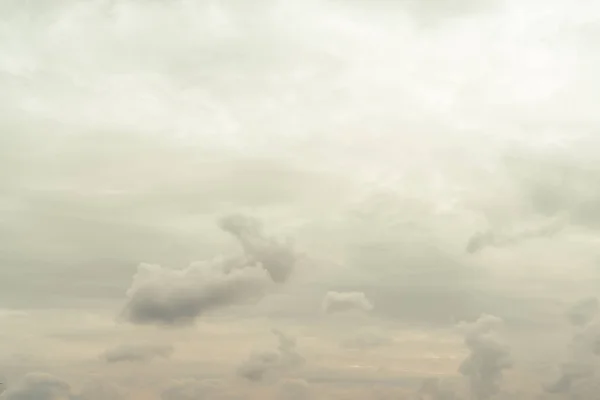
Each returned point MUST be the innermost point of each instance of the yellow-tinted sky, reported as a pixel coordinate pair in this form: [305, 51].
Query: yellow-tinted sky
[290, 200]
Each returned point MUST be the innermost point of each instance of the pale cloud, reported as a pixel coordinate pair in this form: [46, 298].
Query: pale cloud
[488, 357]
[40, 386]
[192, 389]
[436, 158]
[262, 365]
[337, 302]
[137, 353]
[366, 339]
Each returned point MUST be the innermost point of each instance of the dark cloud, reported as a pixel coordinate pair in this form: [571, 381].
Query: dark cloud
[137, 353]
[336, 302]
[261, 365]
[177, 297]
[488, 357]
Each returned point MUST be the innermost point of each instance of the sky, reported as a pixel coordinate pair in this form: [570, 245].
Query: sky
[299, 200]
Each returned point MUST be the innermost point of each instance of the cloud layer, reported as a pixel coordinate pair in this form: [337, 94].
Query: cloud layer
[137, 353]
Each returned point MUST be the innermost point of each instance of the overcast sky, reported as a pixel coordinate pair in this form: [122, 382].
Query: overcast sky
[294, 200]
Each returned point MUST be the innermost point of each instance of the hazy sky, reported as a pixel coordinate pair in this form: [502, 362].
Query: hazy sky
[294, 200]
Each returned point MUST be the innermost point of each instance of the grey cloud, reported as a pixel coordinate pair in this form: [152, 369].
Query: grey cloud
[100, 390]
[577, 375]
[261, 365]
[435, 389]
[583, 311]
[492, 238]
[45, 386]
[559, 184]
[193, 389]
[39, 386]
[276, 257]
[177, 297]
[488, 357]
[336, 302]
[137, 353]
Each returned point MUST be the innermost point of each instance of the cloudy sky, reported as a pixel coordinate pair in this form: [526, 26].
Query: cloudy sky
[292, 200]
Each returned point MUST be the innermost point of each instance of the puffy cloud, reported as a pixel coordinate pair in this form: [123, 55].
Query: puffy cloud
[336, 302]
[262, 364]
[166, 296]
[137, 353]
[488, 357]
[275, 256]
[39, 386]
[578, 376]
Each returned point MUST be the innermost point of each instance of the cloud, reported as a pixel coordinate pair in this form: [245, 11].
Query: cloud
[100, 390]
[45, 386]
[488, 357]
[434, 389]
[275, 256]
[293, 389]
[193, 389]
[260, 365]
[337, 302]
[492, 238]
[583, 311]
[39, 386]
[577, 375]
[137, 353]
[178, 296]
[366, 339]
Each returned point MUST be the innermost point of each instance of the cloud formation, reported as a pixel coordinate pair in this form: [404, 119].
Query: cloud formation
[39, 386]
[434, 389]
[492, 238]
[137, 353]
[338, 302]
[488, 357]
[579, 375]
[262, 364]
[275, 256]
[193, 389]
[293, 389]
[166, 296]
